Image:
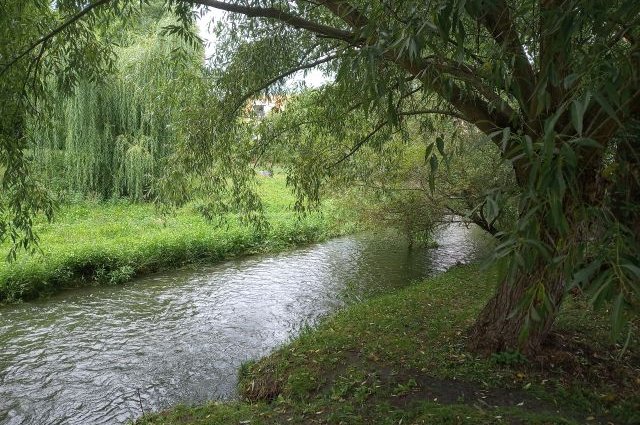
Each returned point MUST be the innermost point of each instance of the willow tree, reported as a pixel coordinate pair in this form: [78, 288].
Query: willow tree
[112, 137]
[553, 84]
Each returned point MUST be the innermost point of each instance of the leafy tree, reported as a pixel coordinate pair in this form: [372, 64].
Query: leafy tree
[111, 137]
[390, 169]
[553, 84]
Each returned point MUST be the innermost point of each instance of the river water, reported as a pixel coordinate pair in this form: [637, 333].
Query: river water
[102, 355]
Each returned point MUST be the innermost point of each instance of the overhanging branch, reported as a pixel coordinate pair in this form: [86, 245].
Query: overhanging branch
[283, 75]
[497, 19]
[282, 16]
[382, 124]
[53, 33]
[476, 110]
[361, 143]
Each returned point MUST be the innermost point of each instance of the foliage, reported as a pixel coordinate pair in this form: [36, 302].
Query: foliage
[112, 137]
[557, 98]
[113, 242]
[552, 85]
[400, 357]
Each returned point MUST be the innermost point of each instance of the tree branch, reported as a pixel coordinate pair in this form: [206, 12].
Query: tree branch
[282, 16]
[477, 110]
[381, 125]
[432, 111]
[497, 19]
[53, 33]
[281, 76]
[361, 143]
[345, 11]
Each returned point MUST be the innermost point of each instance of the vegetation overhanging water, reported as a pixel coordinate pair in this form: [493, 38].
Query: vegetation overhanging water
[102, 355]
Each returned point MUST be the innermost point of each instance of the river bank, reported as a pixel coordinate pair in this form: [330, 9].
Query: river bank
[106, 354]
[400, 358]
[109, 243]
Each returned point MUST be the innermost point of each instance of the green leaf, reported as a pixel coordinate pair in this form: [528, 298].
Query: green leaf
[440, 145]
[576, 117]
[428, 151]
[578, 109]
[506, 136]
[586, 142]
[569, 80]
[600, 288]
[493, 209]
[583, 275]
[434, 164]
[528, 146]
[607, 107]
[432, 176]
[569, 155]
[535, 316]
[633, 268]
[550, 123]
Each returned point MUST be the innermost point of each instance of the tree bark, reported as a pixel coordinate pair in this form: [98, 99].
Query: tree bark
[500, 325]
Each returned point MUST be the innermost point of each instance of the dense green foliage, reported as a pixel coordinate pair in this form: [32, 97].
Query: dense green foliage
[400, 358]
[110, 243]
[552, 86]
[112, 137]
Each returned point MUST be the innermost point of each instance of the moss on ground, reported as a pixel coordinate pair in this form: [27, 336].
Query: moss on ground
[400, 358]
[113, 242]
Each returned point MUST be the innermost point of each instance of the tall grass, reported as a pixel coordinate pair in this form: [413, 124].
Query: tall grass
[110, 243]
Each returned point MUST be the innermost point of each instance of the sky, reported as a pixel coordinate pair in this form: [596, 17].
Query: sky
[314, 78]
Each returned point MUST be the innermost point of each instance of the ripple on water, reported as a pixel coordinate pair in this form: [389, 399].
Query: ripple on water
[95, 355]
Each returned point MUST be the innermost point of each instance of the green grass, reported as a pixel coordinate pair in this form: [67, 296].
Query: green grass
[110, 243]
[400, 358]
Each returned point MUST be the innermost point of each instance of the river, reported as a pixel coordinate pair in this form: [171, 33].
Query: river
[102, 355]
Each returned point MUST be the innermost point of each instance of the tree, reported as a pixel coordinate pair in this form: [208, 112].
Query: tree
[111, 137]
[554, 84]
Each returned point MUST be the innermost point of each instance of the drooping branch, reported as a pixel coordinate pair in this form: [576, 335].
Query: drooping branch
[474, 109]
[497, 19]
[282, 16]
[383, 123]
[361, 143]
[279, 77]
[477, 111]
[53, 33]
[432, 111]
[480, 112]
[486, 117]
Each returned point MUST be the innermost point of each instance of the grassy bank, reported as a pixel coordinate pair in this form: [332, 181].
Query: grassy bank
[110, 243]
[400, 359]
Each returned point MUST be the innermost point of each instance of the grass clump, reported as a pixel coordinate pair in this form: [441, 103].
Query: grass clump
[110, 243]
[400, 358]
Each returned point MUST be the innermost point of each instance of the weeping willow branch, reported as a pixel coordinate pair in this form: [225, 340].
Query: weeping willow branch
[285, 74]
[379, 127]
[53, 33]
[282, 16]
[113, 137]
[361, 143]
[432, 111]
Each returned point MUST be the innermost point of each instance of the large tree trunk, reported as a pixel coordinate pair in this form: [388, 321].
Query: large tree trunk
[500, 325]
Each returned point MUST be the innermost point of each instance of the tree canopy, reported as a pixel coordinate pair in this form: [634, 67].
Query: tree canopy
[554, 85]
